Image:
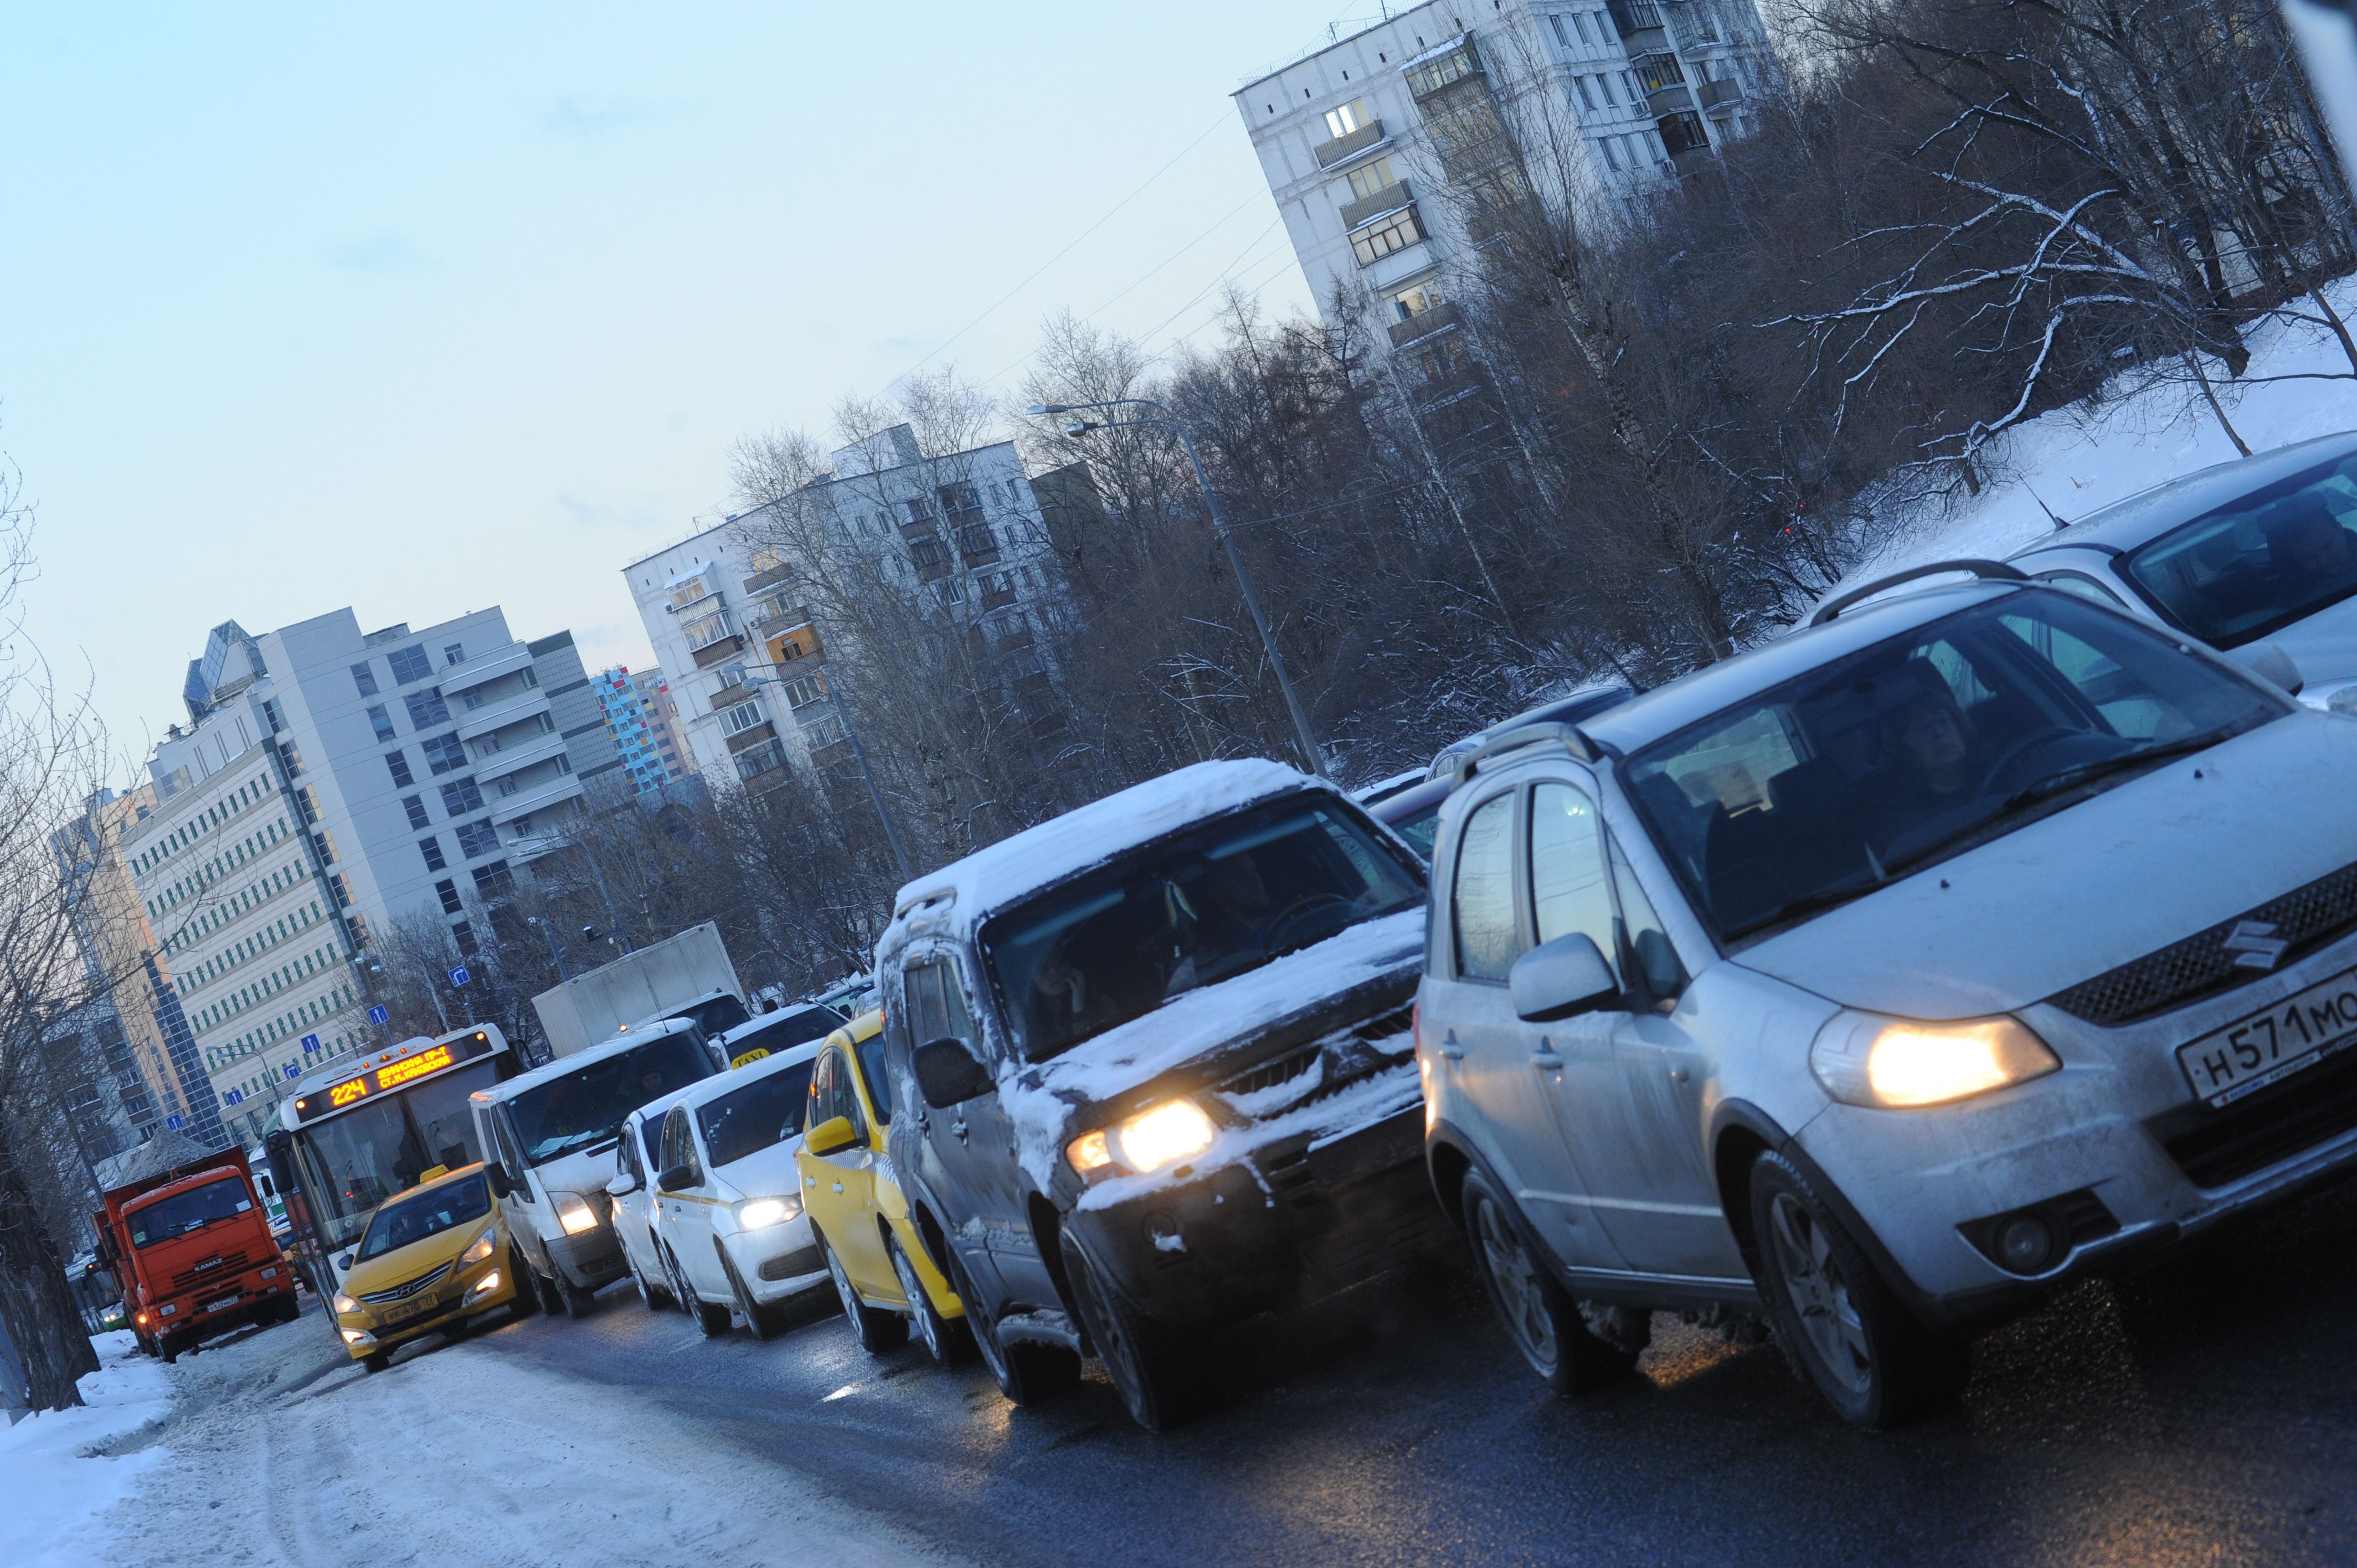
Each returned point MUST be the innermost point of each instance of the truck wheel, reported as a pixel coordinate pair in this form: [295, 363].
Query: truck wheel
[1162, 1374]
[878, 1331]
[1539, 1315]
[1840, 1325]
[950, 1340]
[579, 1303]
[169, 1349]
[527, 1294]
[1027, 1374]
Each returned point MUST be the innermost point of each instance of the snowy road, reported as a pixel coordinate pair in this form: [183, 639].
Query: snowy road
[2200, 1414]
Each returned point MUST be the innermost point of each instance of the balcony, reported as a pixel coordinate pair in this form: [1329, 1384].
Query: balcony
[1391, 199]
[507, 710]
[977, 546]
[1638, 23]
[1696, 25]
[713, 653]
[1424, 324]
[1674, 98]
[529, 847]
[1720, 98]
[760, 580]
[747, 739]
[539, 798]
[517, 755]
[483, 667]
[1343, 149]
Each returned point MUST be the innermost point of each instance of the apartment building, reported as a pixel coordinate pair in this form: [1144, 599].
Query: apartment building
[634, 737]
[329, 783]
[732, 622]
[1385, 149]
[661, 710]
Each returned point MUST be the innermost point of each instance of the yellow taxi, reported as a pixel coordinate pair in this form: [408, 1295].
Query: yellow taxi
[881, 1266]
[432, 1259]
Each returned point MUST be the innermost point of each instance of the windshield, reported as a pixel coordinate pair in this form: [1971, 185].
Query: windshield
[716, 1015]
[1826, 786]
[1420, 827]
[383, 1145]
[782, 1031]
[192, 1210]
[585, 1106]
[428, 1214]
[2277, 555]
[880, 1083]
[1187, 912]
[765, 1112]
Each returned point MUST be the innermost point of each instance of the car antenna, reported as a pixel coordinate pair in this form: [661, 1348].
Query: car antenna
[2059, 525]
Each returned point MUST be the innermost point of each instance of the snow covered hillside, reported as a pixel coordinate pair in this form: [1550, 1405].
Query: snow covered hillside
[52, 1488]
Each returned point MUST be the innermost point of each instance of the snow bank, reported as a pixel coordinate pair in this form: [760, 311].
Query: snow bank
[51, 1495]
[2081, 458]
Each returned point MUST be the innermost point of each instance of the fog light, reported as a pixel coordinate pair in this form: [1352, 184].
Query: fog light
[485, 1285]
[2025, 1244]
[358, 1338]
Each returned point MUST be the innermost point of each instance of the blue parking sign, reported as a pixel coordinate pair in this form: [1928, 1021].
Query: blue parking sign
[458, 976]
[377, 1014]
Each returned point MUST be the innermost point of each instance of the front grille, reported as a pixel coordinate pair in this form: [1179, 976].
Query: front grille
[407, 1288]
[2274, 1124]
[212, 1269]
[2306, 917]
[1268, 1075]
[808, 1261]
[1391, 1025]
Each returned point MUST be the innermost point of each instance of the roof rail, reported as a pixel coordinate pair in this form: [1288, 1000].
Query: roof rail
[1987, 571]
[1568, 736]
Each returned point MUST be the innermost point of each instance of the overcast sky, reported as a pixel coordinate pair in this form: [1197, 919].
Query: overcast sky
[421, 310]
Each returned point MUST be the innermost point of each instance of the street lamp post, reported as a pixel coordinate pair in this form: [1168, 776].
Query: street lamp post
[1303, 736]
[867, 774]
[553, 950]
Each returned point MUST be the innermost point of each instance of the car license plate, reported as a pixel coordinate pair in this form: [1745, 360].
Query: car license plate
[407, 1309]
[2295, 1033]
[218, 1303]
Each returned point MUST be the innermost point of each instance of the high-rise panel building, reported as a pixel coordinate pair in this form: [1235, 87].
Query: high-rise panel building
[661, 711]
[634, 736]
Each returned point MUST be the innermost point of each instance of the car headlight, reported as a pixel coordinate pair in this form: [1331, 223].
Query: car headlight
[484, 1286]
[345, 1304]
[1895, 1063]
[483, 1247]
[358, 1338]
[760, 1213]
[1148, 1141]
[572, 1212]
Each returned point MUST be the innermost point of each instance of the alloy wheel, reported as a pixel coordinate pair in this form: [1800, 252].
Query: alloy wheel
[851, 1301]
[927, 1328]
[1516, 1284]
[1814, 1287]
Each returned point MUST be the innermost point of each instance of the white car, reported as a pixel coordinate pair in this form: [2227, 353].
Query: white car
[729, 1225]
[634, 1192]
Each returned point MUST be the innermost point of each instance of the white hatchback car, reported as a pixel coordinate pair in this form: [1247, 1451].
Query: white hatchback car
[1881, 978]
[728, 1222]
[636, 1160]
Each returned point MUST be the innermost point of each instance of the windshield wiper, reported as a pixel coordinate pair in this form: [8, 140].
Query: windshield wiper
[1810, 903]
[2056, 782]
[567, 1144]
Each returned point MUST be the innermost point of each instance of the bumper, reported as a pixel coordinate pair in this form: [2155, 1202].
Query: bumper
[2115, 1154]
[1301, 1217]
[778, 1261]
[453, 1303]
[253, 1301]
[591, 1260]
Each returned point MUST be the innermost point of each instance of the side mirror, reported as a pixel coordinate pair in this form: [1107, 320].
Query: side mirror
[344, 1263]
[497, 1176]
[678, 1179]
[2270, 663]
[829, 1136]
[622, 1184]
[947, 1074]
[1557, 978]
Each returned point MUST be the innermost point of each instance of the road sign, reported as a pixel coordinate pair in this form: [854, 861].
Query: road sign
[458, 976]
[310, 1043]
[377, 1014]
[176, 1122]
[292, 1069]
[235, 1097]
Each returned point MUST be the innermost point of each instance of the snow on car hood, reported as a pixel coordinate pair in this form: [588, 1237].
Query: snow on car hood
[583, 1171]
[764, 1173]
[2151, 861]
[1040, 1100]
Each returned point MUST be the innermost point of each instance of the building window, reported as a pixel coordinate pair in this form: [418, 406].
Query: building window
[293, 757]
[343, 894]
[755, 760]
[1373, 179]
[1411, 302]
[444, 754]
[494, 880]
[1380, 238]
[364, 678]
[426, 708]
[952, 592]
[1587, 98]
[460, 796]
[1346, 118]
[453, 653]
[270, 712]
[687, 590]
[916, 509]
[1433, 75]
[463, 933]
[961, 496]
[381, 721]
[707, 629]
[415, 807]
[928, 555]
[802, 691]
[824, 730]
[408, 664]
[398, 763]
[738, 717]
[448, 893]
[431, 848]
[478, 838]
[1611, 159]
[327, 844]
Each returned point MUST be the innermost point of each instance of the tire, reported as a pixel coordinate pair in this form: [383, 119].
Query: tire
[377, 1362]
[649, 1296]
[1539, 1315]
[1025, 1374]
[765, 1322]
[1840, 1324]
[714, 1321]
[544, 1290]
[1163, 1375]
[579, 1303]
[527, 1296]
[950, 1340]
[683, 1294]
[879, 1331]
[169, 1350]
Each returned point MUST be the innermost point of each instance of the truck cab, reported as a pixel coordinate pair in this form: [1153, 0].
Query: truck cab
[193, 1253]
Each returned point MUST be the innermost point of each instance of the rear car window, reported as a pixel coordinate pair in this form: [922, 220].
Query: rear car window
[763, 1114]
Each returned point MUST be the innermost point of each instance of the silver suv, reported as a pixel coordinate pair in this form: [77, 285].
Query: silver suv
[1880, 980]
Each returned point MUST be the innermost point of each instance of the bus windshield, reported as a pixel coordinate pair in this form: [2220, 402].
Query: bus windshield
[384, 1145]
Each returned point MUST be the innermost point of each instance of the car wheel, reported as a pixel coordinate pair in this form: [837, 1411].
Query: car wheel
[681, 1296]
[949, 1339]
[1027, 1374]
[579, 1300]
[1162, 1374]
[527, 1297]
[1539, 1315]
[878, 1330]
[647, 1293]
[378, 1361]
[765, 1322]
[1839, 1322]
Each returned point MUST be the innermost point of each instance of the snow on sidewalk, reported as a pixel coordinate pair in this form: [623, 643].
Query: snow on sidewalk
[52, 1489]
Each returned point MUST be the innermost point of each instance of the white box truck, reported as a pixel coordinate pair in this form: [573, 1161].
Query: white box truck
[686, 976]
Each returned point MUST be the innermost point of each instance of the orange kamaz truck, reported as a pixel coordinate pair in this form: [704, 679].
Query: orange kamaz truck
[192, 1250]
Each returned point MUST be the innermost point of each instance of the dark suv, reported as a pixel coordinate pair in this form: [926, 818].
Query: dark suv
[1161, 1063]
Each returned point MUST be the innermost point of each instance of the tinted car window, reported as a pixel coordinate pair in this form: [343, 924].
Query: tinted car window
[783, 1030]
[748, 1120]
[879, 1081]
[2274, 556]
[585, 1106]
[1187, 912]
[1831, 784]
[192, 1210]
[1482, 900]
[411, 1220]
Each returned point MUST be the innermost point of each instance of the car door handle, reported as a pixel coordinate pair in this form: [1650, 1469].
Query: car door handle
[959, 1128]
[1449, 1048]
[838, 1186]
[1547, 1058]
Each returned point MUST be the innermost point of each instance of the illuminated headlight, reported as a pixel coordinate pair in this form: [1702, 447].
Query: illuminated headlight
[760, 1213]
[345, 1304]
[485, 1285]
[1895, 1064]
[359, 1339]
[574, 1214]
[1148, 1141]
[482, 1247]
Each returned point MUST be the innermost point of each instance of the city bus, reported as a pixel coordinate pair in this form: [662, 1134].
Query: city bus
[356, 1131]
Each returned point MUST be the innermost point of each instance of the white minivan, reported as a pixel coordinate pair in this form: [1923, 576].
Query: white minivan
[548, 1139]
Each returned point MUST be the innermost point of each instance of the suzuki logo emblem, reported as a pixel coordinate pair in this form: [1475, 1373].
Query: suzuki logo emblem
[2255, 944]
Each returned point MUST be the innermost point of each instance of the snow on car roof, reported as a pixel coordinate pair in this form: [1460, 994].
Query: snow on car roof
[581, 1058]
[988, 879]
[721, 1083]
[2128, 523]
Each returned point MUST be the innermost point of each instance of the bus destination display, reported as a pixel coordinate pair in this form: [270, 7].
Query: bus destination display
[392, 1075]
